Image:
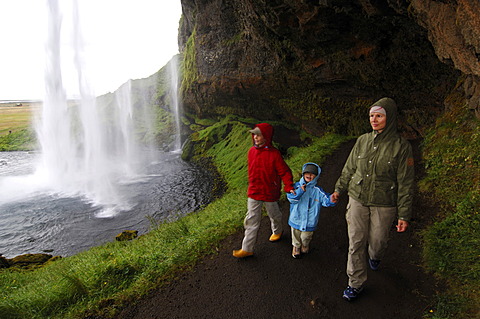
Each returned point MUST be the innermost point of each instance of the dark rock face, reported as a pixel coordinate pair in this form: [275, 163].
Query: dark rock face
[454, 30]
[300, 60]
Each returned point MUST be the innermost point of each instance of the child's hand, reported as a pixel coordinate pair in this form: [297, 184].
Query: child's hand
[334, 197]
[303, 187]
[293, 192]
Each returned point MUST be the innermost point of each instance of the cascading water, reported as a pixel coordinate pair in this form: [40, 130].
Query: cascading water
[175, 101]
[92, 178]
[79, 155]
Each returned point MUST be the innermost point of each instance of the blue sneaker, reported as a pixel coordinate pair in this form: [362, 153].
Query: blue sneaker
[373, 264]
[351, 293]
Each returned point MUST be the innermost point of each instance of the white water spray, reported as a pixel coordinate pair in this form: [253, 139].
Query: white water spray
[84, 152]
[175, 101]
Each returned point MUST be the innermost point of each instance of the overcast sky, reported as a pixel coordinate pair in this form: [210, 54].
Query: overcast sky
[122, 40]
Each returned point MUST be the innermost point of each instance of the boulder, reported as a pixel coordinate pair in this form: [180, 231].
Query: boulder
[28, 261]
[127, 235]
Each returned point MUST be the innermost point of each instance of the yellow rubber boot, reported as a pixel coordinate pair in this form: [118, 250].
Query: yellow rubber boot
[275, 237]
[241, 253]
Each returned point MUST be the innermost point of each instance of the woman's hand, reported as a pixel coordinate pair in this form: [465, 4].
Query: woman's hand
[402, 225]
[334, 197]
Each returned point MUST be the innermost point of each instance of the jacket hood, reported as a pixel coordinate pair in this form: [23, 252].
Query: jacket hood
[314, 181]
[267, 132]
[391, 109]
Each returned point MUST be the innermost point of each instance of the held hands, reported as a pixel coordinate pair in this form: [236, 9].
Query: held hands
[334, 197]
[402, 226]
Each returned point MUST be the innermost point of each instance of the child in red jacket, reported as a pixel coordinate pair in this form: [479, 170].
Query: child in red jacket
[266, 171]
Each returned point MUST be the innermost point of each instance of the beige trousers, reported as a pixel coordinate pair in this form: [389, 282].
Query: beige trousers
[367, 225]
[301, 238]
[253, 218]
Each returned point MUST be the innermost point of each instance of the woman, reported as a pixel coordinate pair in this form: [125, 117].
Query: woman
[379, 178]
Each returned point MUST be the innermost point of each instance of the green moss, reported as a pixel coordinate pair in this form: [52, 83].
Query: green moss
[189, 63]
[235, 39]
[206, 122]
[224, 143]
[451, 155]
[196, 128]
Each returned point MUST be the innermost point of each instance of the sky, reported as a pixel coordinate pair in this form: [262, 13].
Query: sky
[121, 40]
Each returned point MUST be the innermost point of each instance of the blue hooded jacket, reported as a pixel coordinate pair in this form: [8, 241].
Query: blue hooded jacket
[305, 205]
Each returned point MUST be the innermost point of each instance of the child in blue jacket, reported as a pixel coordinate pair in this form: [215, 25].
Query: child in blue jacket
[305, 205]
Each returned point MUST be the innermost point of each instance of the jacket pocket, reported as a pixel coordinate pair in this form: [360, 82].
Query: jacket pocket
[386, 166]
[385, 194]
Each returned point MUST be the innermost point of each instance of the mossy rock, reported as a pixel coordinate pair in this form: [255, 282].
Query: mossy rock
[127, 235]
[29, 261]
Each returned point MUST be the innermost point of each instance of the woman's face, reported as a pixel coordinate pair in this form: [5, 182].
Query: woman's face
[378, 121]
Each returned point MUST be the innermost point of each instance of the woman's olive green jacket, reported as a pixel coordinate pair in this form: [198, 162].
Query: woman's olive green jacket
[379, 170]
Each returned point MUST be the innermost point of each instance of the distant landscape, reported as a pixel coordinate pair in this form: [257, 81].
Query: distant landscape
[16, 115]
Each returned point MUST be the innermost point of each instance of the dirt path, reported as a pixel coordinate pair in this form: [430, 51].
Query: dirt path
[274, 285]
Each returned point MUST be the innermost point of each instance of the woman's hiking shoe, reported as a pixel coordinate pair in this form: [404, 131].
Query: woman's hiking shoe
[242, 253]
[296, 252]
[373, 264]
[351, 293]
[275, 237]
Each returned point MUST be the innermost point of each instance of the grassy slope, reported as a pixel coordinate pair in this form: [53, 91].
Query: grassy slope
[452, 242]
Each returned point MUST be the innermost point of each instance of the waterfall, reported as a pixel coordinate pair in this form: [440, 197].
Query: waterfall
[84, 152]
[175, 101]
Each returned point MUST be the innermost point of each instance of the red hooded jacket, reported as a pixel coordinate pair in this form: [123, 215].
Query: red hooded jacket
[267, 169]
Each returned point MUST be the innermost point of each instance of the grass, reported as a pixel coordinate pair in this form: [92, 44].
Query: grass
[15, 118]
[103, 279]
[18, 140]
[452, 242]
[15, 127]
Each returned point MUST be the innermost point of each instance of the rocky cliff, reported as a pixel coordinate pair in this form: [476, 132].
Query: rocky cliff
[306, 60]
